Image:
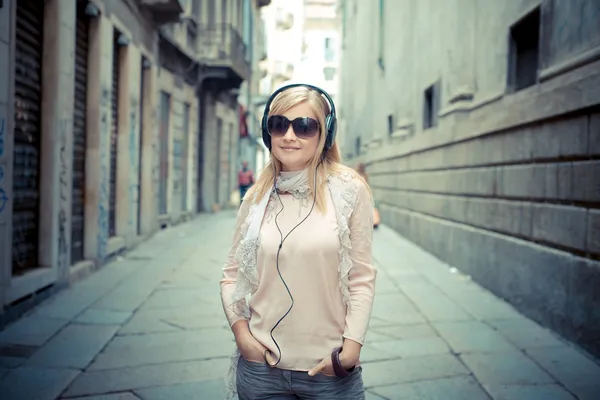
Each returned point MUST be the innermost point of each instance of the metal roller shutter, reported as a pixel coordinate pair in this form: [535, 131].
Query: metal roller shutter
[184, 157]
[165, 109]
[219, 161]
[114, 138]
[27, 133]
[141, 147]
[177, 147]
[79, 136]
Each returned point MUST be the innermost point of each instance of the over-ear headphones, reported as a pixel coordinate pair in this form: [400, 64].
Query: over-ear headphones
[330, 119]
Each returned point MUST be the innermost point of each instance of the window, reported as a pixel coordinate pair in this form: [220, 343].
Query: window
[431, 106]
[329, 73]
[329, 49]
[524, 52]
[357, 146]
[211, 15]
[197, 9]
[191, 35]
[381, 58]
[390, 121]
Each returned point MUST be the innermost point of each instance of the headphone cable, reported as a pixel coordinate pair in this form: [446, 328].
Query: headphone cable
[282, 239]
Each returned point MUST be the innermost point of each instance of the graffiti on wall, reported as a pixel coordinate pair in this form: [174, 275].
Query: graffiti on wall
[133, 163]
[2, 136]
[156, 152]
[3, 193]
[64, 189]
[102, 239]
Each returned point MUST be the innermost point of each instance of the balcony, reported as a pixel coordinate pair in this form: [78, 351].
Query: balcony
[163, 11]
[223, 55]
[262, 3]
[285, 20]
[283, 70]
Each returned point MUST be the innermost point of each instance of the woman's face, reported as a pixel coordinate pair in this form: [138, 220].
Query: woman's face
[297, 146]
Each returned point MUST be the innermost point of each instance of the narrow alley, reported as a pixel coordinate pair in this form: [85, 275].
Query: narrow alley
[150, 326]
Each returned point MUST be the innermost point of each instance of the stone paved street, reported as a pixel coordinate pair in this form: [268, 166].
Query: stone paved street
[150, 326]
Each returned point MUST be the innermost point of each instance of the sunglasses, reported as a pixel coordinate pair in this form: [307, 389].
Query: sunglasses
[304, 127]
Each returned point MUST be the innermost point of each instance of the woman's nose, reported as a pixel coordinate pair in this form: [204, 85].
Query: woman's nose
[289, 134]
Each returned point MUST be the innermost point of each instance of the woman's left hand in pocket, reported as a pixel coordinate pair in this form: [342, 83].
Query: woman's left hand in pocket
[325, 367]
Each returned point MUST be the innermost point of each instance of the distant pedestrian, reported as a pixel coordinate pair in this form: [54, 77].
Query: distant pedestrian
[298, 285]
[362, 171]
[245, 180]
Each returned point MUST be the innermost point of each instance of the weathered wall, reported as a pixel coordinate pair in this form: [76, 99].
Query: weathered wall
[182, 147]
[57, 142]
[506, 186]
[6, 109]
[220, 146]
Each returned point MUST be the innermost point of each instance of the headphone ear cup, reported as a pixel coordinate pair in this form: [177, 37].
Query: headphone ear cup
[330, 125]
[265, 134]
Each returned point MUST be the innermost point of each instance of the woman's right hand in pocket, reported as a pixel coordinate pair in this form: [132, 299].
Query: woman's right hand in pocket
[251, 349]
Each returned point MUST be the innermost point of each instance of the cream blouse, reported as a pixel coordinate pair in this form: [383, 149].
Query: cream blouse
[309, 261]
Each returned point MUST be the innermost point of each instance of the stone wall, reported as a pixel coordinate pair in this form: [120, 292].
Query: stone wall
[504, 185]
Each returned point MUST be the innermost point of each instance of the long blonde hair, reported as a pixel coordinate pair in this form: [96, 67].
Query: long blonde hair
[284, 101]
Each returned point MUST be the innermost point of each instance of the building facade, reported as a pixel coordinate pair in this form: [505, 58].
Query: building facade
[320, 59]
[251, 147]
[479, 122]
[302, 47]
[117, 119]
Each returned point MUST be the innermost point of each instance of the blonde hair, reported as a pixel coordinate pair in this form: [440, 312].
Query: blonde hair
[331, 160]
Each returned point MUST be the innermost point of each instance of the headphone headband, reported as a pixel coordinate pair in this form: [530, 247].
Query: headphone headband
[330, 119]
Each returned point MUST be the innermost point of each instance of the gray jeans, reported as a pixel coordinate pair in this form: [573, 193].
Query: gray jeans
[258, 381]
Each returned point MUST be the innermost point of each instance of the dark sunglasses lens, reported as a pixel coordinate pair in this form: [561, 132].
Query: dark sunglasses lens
[305, 127]
[278, 125]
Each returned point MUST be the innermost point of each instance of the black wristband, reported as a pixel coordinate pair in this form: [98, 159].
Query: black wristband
[337, 365]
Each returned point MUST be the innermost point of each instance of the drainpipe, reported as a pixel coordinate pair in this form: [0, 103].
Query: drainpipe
[250, 54]
[200, 147]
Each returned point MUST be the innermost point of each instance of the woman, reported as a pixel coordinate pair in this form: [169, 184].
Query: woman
[362, 171]
[298, 285]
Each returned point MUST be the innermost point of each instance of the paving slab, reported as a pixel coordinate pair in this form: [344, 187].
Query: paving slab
[127, 379]
[526, 334]
[32, 330]
[404, 349]
[138, 356]
[434, 304]
[11, 362]
[211, 389]
[472, 336]
[404, 331]
[385, 285]
[173, 298]
[74, 347]
[190, 323]
[394, 309]
[36, 383]
[412, 369]
[140, 324]
[509, 367]
[454, 388]
[572, 368]
[70, 303]
[475, 300]
[528, 392]
[194, 337]
[114, 396]
[103, 317]
[372, 396]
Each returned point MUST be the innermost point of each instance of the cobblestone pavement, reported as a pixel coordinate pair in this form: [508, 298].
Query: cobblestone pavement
[150, 326]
